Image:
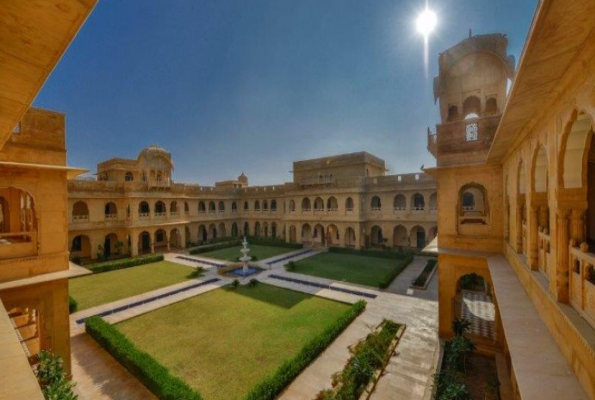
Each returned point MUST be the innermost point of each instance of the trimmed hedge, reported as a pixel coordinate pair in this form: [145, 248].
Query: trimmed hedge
[152, 374]
[273, 385]
[276, 242]
[388, 278]
[371, 253]
[212, 247]
[125, 263]
[73, 305]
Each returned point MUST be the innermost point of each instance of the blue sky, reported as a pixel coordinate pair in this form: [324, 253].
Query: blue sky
[230, 86]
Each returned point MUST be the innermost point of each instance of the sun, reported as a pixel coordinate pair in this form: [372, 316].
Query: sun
[426, 22]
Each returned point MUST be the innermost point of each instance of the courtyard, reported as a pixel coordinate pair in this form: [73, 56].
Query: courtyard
[358, 269]
[224, 342]
[93, 290]
[259, 251]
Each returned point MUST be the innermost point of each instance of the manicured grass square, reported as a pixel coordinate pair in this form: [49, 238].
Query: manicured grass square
[93, 290]
[348, 268]
[259, 251]
[224, 342]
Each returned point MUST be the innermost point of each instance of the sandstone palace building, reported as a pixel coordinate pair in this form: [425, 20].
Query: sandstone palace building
[346, 200]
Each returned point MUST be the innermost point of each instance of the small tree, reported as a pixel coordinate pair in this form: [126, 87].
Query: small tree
[52, 377]
[460, 326]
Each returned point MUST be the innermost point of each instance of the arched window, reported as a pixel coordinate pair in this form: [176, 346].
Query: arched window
[234, 207]
[160, 208]
[491, 106]
[143, 209]
[375, 204]
[265, 206]
[418, 202]
[173, 207]
[202, 208]
[273, 205]
[80, 211]
[471, 107]
[159, 176]
[349, 204]
[400, 203]
[110, 210]
[212, 208]
[291, 205]
[221, 207]
[306, 205]
[473, 207]
[332, 204]
[129, 177]
[257, 205]
[318, 204]
[246, 206]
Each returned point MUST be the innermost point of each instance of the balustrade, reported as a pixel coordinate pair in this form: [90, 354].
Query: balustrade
[582, 281]
[80, 218]
[111, 217]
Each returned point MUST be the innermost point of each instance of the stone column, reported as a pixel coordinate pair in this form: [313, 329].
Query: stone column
[562, 243]
[577, 225]
[183, 237]
[519, 226]
[167, 241]
[533, 238]
[134, 244]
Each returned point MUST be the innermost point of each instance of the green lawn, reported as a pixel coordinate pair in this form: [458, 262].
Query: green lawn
[224, 342]
[93, 290]
[348, 268]
[261, 252]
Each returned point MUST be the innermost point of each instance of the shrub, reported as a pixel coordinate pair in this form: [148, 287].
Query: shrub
[235, 283]
[253, 282]
[52, 377]
[152, 374]
[73, 305]
[125, 263]
[274, 384]
[290, 266]
[392, 274]
[196, 273]
[367, 357]
[460, 326]
[387, 253]
[218, 246]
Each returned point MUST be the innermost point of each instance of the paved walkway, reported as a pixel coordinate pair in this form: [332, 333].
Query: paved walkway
[409, 374]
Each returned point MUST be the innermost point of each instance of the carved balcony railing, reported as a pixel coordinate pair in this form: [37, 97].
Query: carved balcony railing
[77, 219]
[582, 281]
[144, 215]
[111, 217]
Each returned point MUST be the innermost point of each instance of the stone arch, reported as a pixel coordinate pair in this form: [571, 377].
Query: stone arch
[473, 207]
[319, 235]
[265, 205]
[401, 237]
[306, 233]
[273, 205]
[202, 208]
[291, 205]
[173, 207]
[246, 229]
[212, 208]
[128, 177]
[292, 234]
[376, 237]
[332, 235]
[160, 238]
[491, 106]
[257, 231]
[234, 230]
[222, 231]
[350, 240]
[418, 237]
[160, 208]
[186, 208]
[521, 178]
[109, 244]
[265, 229]
[221, 206]
[234, 207]
[175, 238]
[80, 247]
[400, 203]
[453, 113]
[213, 231]
[144, 242]
[575, 142]
[246, 206]
[203, 234]
[273, 229]
[257, 205]
[540, 170]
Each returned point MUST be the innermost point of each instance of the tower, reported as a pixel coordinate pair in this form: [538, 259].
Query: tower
[471, 91]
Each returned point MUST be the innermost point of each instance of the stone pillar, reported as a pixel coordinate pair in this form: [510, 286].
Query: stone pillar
[183, 237]
[507, 220]
[533, 238]
[577, 225]
[562, 242]
[544, 217]
[167, 237]
[152, 246]
[519, 227]
[134, 241]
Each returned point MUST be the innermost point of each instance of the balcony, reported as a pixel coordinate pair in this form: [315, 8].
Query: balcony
[160, 214]
[18, 244]
[80, 219]
[174, 214]
[145, 215]
[399, 209]
[111, 217]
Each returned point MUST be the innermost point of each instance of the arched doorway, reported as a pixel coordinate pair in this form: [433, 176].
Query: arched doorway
[376, 238]
[400, 237]
[246, 229]
[202, 234]
[273, 230]
[110, 245]
[212, 232]
[292, 234]
[319, 235]
[160, 240]
[234, 230]
[257, 229]
[332, 235]
[222, 231]
[306, 234]
[80, 247]
[144, 242]
[418, 237]
[175, 239]
[350, 237]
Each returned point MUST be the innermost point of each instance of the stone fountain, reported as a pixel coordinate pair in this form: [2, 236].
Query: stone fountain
[245, 257]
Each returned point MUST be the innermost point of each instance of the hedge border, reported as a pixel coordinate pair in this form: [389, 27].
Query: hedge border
[151, 373]
[371, 253]
[211, 247]
[273, 385]
[124, 263]
[273, 242]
